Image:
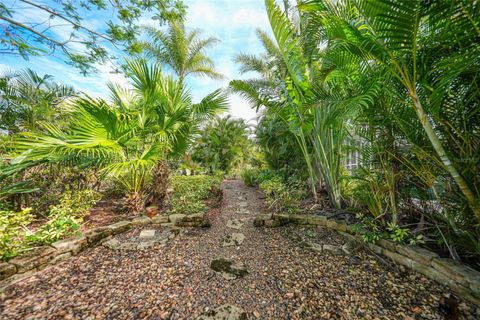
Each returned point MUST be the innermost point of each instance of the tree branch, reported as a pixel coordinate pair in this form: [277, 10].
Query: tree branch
[23, 26]
[51, 11]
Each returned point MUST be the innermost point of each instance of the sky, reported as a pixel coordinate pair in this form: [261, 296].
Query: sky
[232, 21]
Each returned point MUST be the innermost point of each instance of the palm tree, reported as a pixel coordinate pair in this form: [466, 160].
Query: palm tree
[181, 50]
[222, 144]
[429, 48]
[304, 91]
[26, 98]
[131, 138]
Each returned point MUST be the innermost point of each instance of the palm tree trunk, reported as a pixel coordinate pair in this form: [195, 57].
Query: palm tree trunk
[437, 145]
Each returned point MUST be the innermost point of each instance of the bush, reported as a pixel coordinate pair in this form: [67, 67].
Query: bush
[250, 176]
[65, 217]
[13, 227]
[189, 192]
[278, 196]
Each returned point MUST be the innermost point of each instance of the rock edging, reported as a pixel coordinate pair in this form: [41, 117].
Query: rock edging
[462, 279]
[39, 258]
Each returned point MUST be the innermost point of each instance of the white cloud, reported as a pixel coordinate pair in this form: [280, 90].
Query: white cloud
[240, 108]
[222, 14]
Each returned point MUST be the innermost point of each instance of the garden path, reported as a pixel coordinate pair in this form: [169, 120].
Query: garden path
[175, 281]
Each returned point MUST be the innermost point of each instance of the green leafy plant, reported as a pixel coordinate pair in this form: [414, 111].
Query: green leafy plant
[250, 176]
[65, 217]
[278, 196]
[13, 228]
[190, 192]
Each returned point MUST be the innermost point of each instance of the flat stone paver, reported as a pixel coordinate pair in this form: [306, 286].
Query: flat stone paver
[147, 234]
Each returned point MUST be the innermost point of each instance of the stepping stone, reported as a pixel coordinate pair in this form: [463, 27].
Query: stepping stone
[147, 234]
[235, 224]
[224, 312]
[235, 239]
[228, 268]
[243, 204]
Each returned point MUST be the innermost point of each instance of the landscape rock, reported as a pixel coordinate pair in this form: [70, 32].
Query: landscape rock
[6, 270]
[398, 258]
[418, 254]
[34, 258]
[259, 220]
[97, 234]
[60, 258]
[235, 224]
[141, 220]
[235, 239]
[147, 234]
[224, 312]
[120, 227]
[454, 270]
[176, 218]
[333, 249]
[272, 223]
[228, 268]
[159, 219]
[74, 245]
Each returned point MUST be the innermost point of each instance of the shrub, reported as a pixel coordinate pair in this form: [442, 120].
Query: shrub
[278, 196]
[65, 217]
[12, 232]
[250, 176]
[189, 192]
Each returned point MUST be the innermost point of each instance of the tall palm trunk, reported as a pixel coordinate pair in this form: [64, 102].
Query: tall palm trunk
[437, 145]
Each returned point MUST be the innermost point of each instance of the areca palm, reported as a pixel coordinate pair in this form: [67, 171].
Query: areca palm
[306, 95]
[430, 49]
[181, 50]
[130, 138]
[222, 144]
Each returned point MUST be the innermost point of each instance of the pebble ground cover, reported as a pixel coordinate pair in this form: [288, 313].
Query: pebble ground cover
[175, 281]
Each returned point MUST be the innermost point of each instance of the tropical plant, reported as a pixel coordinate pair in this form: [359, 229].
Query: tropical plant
[130, 137]
[427, 56]
[82, 46]
[183, 51]
[27, 98]
[12, 231]
[222, 144]
[190, 192]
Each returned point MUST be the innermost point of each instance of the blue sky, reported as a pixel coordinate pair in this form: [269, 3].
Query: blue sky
[232, 21]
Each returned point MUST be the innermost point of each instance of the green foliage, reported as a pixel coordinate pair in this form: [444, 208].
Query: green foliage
[83, 46]
[250, 176]
[278, 195]
[223, 145]
[190, 193]
[28, 98]
[65, 217]
[371, 231]
[181, 50]
[128, 138]
[12, 232]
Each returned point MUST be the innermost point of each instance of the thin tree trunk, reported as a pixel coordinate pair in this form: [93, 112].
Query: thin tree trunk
[437, 145]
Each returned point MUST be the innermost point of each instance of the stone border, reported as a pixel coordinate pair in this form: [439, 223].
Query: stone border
[39, 258]
[462, 279]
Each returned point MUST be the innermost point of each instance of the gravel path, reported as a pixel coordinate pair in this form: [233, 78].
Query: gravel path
[285, 281]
